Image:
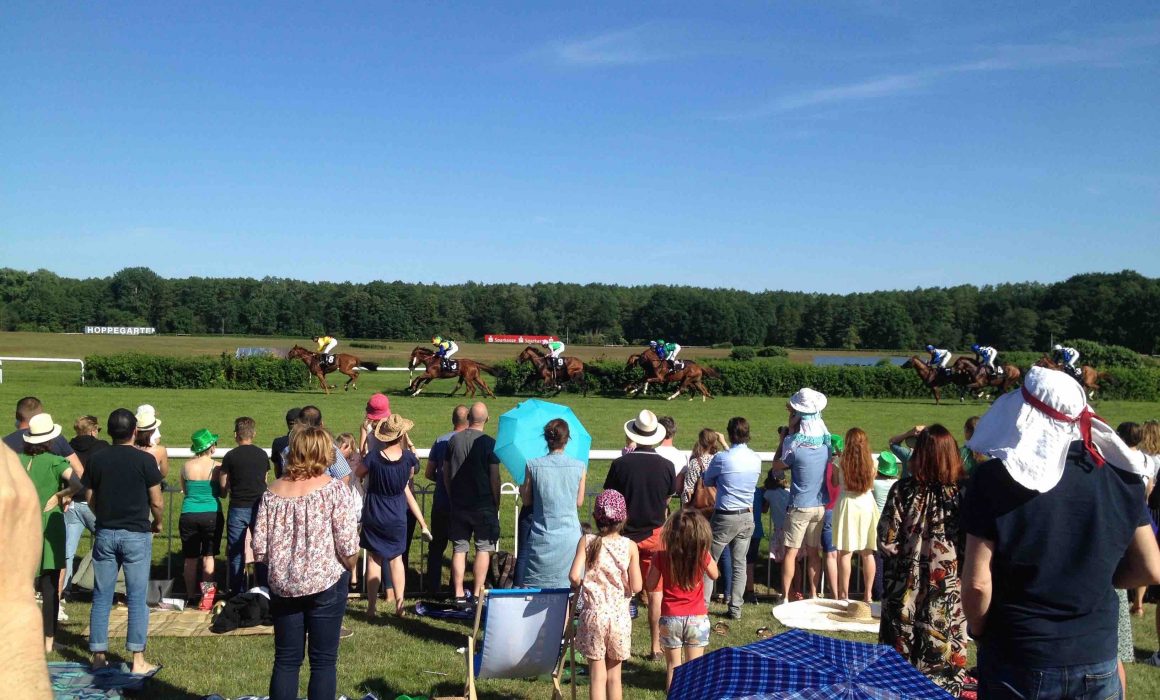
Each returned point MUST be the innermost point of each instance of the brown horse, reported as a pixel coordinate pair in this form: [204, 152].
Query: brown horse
[656, 371]
[467, 372]
[1089, 377]
[573, 369]
[982, 379]
[343, 362]
[935, 380]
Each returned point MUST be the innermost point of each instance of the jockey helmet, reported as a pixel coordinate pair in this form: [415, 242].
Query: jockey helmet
[545, 342]
[975, 347]
[930, 348]
[1057, 347]
[437, 339]
[652, 343]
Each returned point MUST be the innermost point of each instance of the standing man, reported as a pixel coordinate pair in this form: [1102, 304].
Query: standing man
[311, 417]
[26, 408]
[471, 476]
[441, 504]
[666, 448]
[243, 477]
[647, 481]
[735, 473]
[278, 447]
[123, 487]
[1054, 523]
[804, 450]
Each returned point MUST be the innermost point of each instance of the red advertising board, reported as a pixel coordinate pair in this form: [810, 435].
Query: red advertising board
[512, 338]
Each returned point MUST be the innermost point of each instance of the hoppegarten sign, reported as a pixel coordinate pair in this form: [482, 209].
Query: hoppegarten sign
[498, 338]
[120, 330]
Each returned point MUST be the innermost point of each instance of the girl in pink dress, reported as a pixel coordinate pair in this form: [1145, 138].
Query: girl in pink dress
[607, 571]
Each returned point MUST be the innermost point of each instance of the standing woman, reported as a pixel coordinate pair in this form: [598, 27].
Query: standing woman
[48, 472]
[856, 515]
[709, 443]
[201, 522]
[149, 438]
[920, 538]
[554, 484]
[305, 531]
[386, 504]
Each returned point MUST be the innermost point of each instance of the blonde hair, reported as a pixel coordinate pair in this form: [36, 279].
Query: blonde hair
[344, 440]
[1150, 440]
[311, 452]
[85, 425]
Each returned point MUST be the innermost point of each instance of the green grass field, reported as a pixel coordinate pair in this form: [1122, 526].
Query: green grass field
[418, 656]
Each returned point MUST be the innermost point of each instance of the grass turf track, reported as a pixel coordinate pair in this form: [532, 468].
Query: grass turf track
[389, 657]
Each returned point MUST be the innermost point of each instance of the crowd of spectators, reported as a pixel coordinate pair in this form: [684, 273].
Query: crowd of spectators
[952, 539]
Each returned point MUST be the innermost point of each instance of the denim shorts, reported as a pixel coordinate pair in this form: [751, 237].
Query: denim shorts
[684, 631]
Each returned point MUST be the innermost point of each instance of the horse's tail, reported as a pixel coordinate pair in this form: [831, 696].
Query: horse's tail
[489, 369]
[710, 372]
[1105, 378]
[369, 366]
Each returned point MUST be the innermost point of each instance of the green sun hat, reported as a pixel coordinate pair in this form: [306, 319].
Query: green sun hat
[837, 442]
[202, 440]
[887, 464]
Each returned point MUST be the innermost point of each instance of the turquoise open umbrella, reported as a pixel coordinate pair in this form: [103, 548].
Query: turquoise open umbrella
[521, 435]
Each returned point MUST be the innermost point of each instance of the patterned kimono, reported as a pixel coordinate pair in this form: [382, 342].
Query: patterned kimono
[922, 606]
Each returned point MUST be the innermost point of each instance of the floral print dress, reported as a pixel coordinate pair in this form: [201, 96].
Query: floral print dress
[922, 606]
[605, 622]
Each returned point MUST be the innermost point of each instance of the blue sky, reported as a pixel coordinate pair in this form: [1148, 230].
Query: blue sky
[855, 146]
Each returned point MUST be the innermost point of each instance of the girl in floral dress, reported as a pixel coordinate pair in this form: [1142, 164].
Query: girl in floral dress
[607, 571]
[920, 537]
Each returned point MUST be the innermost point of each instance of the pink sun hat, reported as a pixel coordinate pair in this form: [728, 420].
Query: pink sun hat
[379, 407]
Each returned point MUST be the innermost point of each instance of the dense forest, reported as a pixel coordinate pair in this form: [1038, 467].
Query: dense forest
[1121, 308]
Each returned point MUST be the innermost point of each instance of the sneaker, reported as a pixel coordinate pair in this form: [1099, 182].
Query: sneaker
[61, 615]
[1153, 660]
[345, 633]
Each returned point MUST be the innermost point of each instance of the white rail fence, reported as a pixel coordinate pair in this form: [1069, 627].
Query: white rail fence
[42, 359]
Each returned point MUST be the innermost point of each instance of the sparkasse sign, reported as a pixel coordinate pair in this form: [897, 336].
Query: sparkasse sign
[515, 338]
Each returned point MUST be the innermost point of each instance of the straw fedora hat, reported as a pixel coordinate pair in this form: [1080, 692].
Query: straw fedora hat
[147, 418]
[393, 428]
[856, 611]
[41, 429]
[645, 429]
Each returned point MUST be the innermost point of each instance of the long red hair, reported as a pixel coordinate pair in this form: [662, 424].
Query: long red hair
[858, 467]
[936, 459]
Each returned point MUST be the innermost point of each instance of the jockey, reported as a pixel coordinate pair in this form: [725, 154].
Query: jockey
[444, 348]
[939, 359]
[986, 356]
[1067, 356]
[325, 345]
[666, 351]
[555, 348]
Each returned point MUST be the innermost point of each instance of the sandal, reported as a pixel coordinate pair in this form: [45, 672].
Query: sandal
[721, 628]
[655, 656]
[764, 633]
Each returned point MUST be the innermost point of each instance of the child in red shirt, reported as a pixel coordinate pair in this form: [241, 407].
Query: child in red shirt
[681, 569]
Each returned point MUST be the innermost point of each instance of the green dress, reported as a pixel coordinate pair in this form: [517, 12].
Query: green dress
[47, 472]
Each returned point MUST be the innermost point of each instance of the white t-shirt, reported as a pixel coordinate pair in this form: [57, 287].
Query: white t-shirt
[677, 457]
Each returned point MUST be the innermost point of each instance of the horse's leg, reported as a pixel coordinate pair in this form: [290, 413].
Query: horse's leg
[680, 389]
[935, 390]
[486, 389]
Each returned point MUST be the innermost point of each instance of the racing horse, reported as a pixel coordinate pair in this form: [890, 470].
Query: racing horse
[573, 369]
[935, 380]
[982, 379]
[467, 372]
[656, 372]
[1089, 377]
[343, 362]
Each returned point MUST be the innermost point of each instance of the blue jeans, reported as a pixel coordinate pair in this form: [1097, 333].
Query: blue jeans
[132, 552]
[312, 621]
[77, 519]
[238, 521]
[1006, 681]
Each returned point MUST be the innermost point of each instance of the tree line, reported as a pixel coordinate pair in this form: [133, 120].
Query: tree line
[1113, 308]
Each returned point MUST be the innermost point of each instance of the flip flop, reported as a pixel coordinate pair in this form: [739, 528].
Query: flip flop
[764, 633]
[721, 628]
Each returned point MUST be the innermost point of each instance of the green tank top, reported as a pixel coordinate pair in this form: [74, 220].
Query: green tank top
[199, 497]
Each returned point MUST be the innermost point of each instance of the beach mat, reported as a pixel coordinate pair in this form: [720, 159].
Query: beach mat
[174, 623]
[74, 681]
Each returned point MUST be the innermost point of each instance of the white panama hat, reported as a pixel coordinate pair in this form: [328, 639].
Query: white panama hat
[41, 429]
[645, 429]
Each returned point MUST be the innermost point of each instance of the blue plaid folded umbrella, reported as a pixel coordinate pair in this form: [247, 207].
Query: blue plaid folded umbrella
[798, 664]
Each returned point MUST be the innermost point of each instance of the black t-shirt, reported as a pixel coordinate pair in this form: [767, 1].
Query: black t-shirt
[646, 480]
[470, 455]
[247, 466]
[1052, 600]
[276, 449]
[120, 478]
[85, 446]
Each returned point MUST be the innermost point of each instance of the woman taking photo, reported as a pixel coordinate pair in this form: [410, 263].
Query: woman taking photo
[305, 531]
[554, 484]
[920, 539]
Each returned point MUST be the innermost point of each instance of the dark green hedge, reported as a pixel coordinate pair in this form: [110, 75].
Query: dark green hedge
[224, 372]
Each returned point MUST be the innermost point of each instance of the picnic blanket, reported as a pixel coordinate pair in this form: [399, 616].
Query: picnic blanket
[443, 611]
[174, 623]
[72, 680]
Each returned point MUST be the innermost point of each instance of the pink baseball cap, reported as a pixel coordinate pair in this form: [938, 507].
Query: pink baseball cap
[379, 407]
